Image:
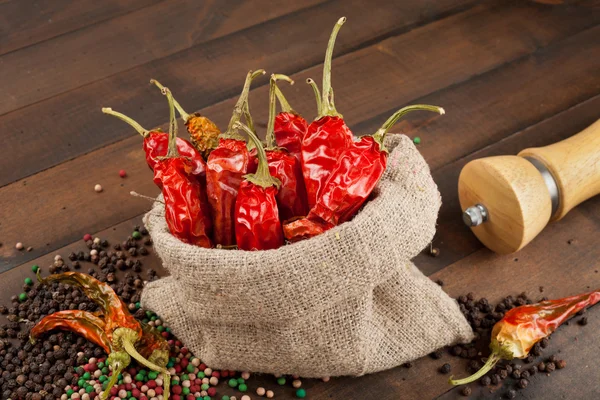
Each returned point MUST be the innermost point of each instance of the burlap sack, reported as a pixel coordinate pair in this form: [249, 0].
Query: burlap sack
[347, 302]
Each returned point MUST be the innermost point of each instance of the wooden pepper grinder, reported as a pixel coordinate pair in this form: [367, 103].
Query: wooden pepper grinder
[508, 200]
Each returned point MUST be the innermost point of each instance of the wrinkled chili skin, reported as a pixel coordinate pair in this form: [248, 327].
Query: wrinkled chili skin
[83, 323]
[291, 197]
[184, 210]
[156, 145]
[289, 130]
[112, 308]
[358, 170]
[226, 167]
[257, 223]
[151, 340]
[323, 143]
[204, 133]
[304, 228]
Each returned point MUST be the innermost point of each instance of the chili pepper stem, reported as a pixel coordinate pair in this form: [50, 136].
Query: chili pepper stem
[172, 151]
[118, 361]
[134, 124]
[184, 116]
[315, 88]
[125, 338]
[285, 106]
[262, 177]
[379, 136]
[241, 107]
[327, 106]
[273, 107]
[489, 364]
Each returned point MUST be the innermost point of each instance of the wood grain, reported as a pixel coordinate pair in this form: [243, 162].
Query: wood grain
[62, 186]
[453, 238]
[200, 76]
[98, 51]
[26, 22]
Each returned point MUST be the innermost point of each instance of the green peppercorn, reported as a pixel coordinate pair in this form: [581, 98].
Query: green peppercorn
[281, 381]
[22, 297]
[232, 382]
[136, 235]
[301, 393]
[242, 387]
[35, 268]
[28, 281]
[417, 140]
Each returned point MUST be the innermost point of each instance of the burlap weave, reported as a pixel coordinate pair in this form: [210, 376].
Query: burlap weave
[347, 302]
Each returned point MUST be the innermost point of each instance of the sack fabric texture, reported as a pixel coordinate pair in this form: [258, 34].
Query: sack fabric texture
[346, 302]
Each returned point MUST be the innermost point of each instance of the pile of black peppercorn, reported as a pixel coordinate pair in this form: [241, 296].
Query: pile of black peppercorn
[482, 316]
[42, 370]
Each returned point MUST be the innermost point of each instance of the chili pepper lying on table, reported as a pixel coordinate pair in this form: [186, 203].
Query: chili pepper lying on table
[204, 134]
[113, 328]
[352, 180]
[522, 327]
[289, 127]
[257, 224]
[327, 136]
[156, 144]
[186, 211]
[226, 167]
[291, 196]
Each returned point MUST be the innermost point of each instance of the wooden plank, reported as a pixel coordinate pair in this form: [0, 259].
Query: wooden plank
[101, 50]
[26, 22]
[453, 238]
[77, 127]
[571, 78]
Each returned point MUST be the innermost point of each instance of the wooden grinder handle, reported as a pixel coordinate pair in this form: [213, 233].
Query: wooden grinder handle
[575, 165]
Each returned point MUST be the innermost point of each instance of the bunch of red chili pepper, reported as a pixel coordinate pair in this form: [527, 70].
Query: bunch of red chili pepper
[222, 190]
[112, 327]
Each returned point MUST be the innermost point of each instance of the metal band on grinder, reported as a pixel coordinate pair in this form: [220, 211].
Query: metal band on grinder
[549, 181]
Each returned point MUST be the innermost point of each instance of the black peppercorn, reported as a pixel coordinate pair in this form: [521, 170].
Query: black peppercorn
[485, 381]
[550, 367]
[522, 384]
[446, 368]
[511, 394]
[466, 391]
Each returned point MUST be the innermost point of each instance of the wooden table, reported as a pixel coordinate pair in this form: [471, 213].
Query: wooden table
[510, 75]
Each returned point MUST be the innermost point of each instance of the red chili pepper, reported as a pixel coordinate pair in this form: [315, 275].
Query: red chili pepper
[187, 215]
[327, 136]
[358, 170]
[291, 196]
[226, 167]
[522, 327]
[257, 224]
[289, 128]
[204, 133]
[83, 323]
[156, 144]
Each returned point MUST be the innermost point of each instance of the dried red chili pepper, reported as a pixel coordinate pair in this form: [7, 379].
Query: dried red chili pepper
[357, 172]
[156, 144]
[291, 196]
[114, 328]
[327, 136]
[226, 167]
[186, 212]
[204, 133]
[289, 127]
[257, 223]
[522, 327]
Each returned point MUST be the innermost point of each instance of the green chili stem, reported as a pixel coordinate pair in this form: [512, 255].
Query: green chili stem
[489, 364]
[241, 107]
[131, 350]
[166, 384]
[285, 106]
[118, 361]
[327, 107]
[172, 151]
[134, 124]
[313, 84]
[184, 116]
[379, 136]
[262, 177]
[113, 380]
[273, 107]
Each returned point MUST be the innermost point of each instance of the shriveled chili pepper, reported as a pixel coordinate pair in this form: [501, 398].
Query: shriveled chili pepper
[291, 196]
[522, 327]
[226, 167]
[156, 144]
[204, 133]
[357, 172]
[327, 136]
[289, 127]
[113, 328]
[186, 212]
[257, 223]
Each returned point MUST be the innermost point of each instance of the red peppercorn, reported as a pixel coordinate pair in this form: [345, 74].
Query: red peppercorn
[212, 391]
[87, 237]
[178, 368]
[216, 374]
[122, 173]
[175, 397]
[151, 384]
[136, 393]
[158, 390]
[202, 367]
[176, 389]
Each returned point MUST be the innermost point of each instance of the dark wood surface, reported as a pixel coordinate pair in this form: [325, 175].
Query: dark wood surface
[510, 74]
